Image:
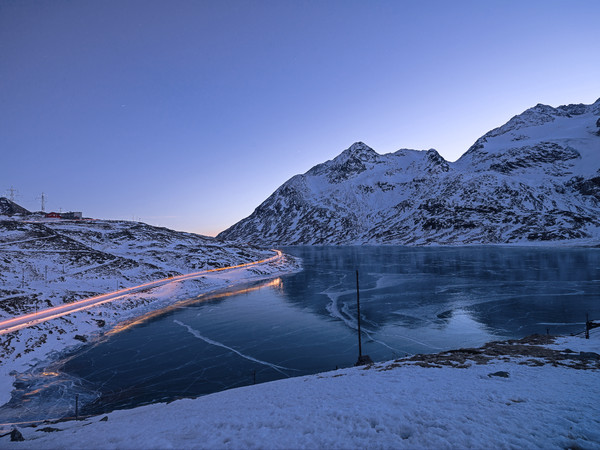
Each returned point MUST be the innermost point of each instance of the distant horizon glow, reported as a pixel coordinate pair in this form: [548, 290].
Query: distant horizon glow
[189, 114]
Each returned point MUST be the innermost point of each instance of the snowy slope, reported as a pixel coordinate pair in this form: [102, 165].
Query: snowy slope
[51, 261]
[540, 392]
[536, 178]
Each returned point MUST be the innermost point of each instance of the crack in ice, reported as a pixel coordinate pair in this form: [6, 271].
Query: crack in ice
[219, 344]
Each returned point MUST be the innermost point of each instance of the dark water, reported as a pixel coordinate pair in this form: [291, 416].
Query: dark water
[413, 300]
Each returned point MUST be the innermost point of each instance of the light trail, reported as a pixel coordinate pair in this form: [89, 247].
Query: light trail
[43, 315]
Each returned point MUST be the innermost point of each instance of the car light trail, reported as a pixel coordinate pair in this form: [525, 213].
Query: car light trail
[43, 315]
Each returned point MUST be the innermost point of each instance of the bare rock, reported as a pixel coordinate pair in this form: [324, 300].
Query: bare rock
[501, 374]
[16, 436]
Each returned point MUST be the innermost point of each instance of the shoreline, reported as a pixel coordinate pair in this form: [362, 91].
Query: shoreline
[45, 342]
[591, 243]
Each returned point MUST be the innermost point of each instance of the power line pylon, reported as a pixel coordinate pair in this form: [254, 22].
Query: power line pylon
[12, 191]
[43, 198]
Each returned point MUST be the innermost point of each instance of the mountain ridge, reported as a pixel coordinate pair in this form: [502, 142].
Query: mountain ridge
[535, 178]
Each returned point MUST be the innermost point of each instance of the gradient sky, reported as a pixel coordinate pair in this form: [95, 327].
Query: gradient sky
[188, 114]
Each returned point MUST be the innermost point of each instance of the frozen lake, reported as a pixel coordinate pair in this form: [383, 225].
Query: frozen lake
[413, 300]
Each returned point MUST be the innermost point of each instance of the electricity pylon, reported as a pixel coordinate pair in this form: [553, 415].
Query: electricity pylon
[12, 191]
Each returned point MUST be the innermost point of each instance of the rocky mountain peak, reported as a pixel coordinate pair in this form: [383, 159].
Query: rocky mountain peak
[351, 162]
[359, 150]
[596, 107]
[437, 161]
[539, 115]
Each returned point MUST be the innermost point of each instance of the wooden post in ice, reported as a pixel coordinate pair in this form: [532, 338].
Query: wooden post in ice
[358, 317]
[362, 359]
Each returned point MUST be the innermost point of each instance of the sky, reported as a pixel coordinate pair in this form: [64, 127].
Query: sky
[189, 114]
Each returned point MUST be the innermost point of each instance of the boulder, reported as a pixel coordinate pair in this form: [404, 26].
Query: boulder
[501, 374]
[16, 436]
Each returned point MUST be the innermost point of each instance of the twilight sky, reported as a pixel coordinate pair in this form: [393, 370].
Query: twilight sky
[188, 114]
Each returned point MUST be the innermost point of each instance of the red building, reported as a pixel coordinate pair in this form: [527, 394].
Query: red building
[53, 215]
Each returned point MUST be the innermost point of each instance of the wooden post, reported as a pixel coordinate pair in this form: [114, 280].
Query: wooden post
[362, 359]
[76, 406]
[358, 318]
[587, 326]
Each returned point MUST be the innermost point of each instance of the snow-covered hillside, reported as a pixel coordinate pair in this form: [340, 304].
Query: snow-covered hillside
[536, 178]
[54, 261]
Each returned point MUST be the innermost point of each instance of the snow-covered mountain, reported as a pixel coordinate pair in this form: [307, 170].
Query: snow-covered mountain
[536, 178]
[54, 261]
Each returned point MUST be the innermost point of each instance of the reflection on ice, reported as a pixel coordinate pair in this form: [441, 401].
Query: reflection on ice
[461, 323]
[274, 283]
[45, 394]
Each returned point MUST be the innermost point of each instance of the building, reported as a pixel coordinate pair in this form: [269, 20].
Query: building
[77, 215]
[73, 215]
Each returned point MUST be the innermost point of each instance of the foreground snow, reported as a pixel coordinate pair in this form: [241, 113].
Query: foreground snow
[547, 398]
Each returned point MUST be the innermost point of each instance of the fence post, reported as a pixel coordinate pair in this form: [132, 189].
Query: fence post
[587, 326]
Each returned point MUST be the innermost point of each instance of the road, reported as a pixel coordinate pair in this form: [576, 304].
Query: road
[43, 315]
